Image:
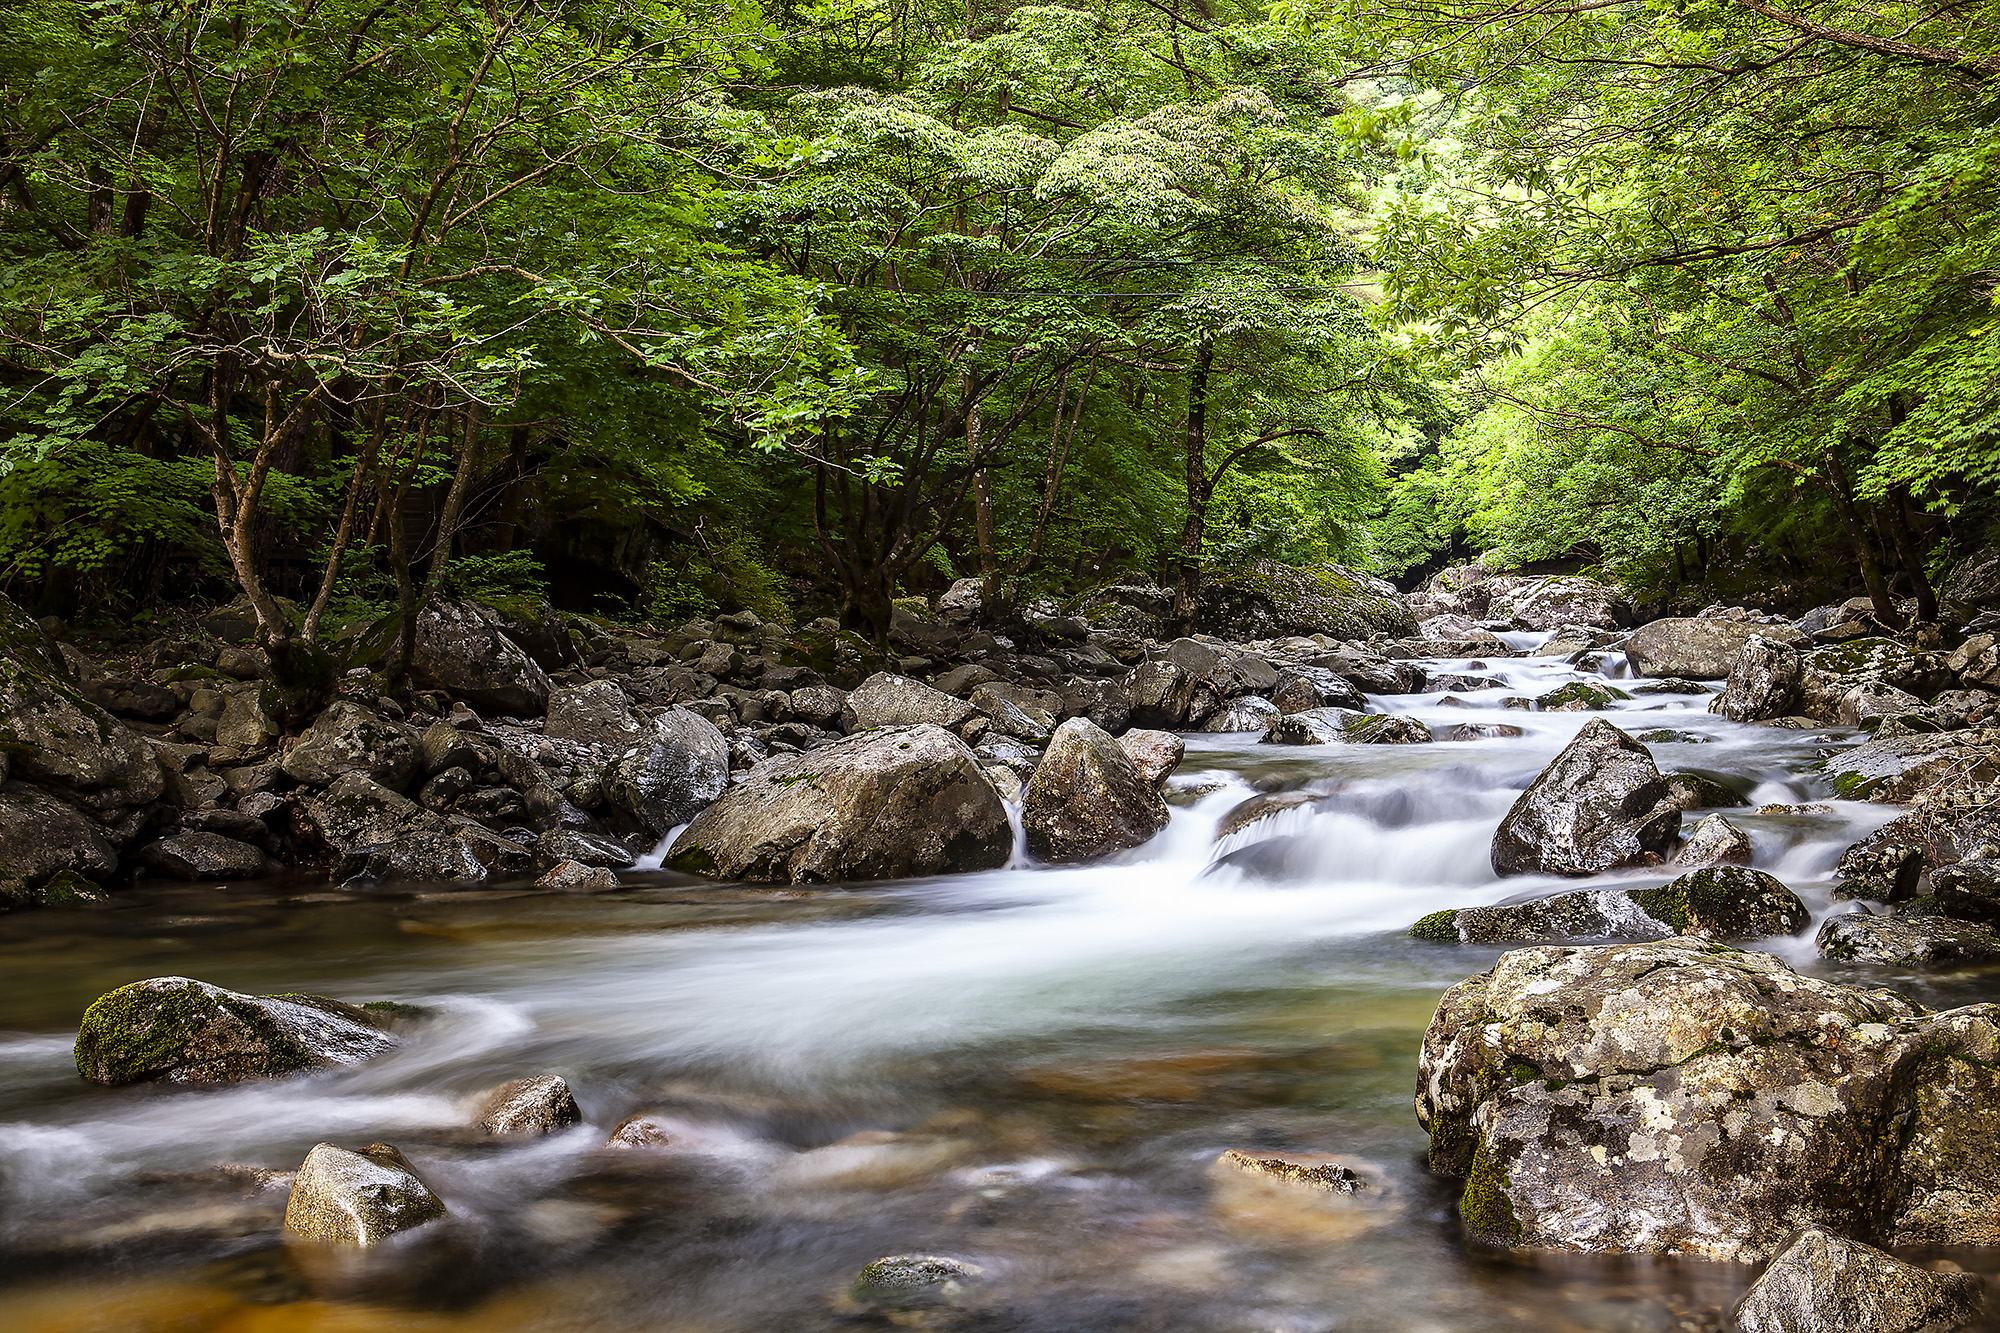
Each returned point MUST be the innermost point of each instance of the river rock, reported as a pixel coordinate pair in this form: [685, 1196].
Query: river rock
[1087, 798]
[1601, 804]
[1699, 648]
[1587, 914]
[348, 738]
[1555, 601]
[1156, 754]
[177, 1030]
[1726, 902]
[1313, 726]
[541, 1104]
[1973, 585]
[1715, 842]
[462, 651]
[354, 811]
[41, 837]
[1682, 1097]
[1266, 600]
[1262, 807]
[1017, 712]
[1901, 768]
[1763, 681]
[912, 1281]
[245, 723]
[596, 713]
[882, 804]
[1907, 941]
[592, 849]
[198, 856]
[886, 700]
[425, 854]
[1387, 729]
[1820, 1282]
[1692, 791]
[672, 775]
[1247, 713]
[576, 877]
[56, 738]
[347, 1198]
[1302, 689]
[1969, 890]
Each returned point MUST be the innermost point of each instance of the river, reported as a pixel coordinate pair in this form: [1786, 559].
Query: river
[1029, 1069]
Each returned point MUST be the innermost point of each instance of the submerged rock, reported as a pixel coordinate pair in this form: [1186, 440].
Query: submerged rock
[1820, 1282]
[910, 1281]
[1687, 1098]
[541, 1104]
[350, 1198]
[1601, 804]
[178, 1030]
[878, 805]
[1087, 799]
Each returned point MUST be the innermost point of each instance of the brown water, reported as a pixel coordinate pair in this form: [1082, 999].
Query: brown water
[1031, 1070]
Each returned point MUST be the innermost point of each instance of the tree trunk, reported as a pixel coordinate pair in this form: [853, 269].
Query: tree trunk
[454, 503]
[1187, 583]
[1864, 550]
[1910, 558]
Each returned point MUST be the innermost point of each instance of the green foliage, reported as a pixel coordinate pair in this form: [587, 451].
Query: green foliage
[721, 571]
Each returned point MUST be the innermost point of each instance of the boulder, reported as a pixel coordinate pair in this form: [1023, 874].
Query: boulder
[1556, 601]
[347, 1198]
[1715, 842]
[1014, 711]
[885, 700]
[354, 811]
[1969, 890]
[1698, 648]
[427, 854]
[1262, 807]
[672, 775]
[198, 856]
[176, 1030]
[576, 877]
[1973, 585]
[1387, 729]
[1601, 804]
[1579, 697]
[1907, 941]
[593, 714]
[1692, 791]
[1821, 1282]
[1831, 676]
[1267, 600]
[1587, 914]
[54, 737]
[462, 651]
[882, 804]
[245, 723]
[348, 738]
[1301, 689]
[1104, 702]
[1156, 754]
[41, 836]
[558, 845]
[1088, 798]
[912, 1282]
[1685, 1098]
[1248, 713]
[1313, 726]
[541, 1104]
[1726, 903]
[1900, 768]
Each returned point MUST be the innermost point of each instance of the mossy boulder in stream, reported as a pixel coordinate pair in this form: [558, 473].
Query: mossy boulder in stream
[1265, 600]
[1686, 1098]
[178, 1030]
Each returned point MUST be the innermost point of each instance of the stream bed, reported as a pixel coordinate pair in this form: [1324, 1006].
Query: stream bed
[1030, 1069]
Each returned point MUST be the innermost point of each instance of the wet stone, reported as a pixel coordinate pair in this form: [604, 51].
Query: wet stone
[349, 1198]
[541, 1104]
[1820, 1282]
[912, 1280]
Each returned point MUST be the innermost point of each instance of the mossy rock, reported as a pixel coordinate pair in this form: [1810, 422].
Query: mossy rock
[1440, 927]
[1267, 600]
[1579, 697]
[66, 888]
[178, 1030]
[1727, 902]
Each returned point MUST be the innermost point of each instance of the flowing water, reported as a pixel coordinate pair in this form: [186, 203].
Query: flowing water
[1030, 1069]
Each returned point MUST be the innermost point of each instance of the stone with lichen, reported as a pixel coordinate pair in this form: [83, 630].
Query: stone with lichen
[178, 1030]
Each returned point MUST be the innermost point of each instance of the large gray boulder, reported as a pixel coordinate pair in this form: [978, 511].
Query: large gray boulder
[177, 1030]
[886, 700]
[348, 738]
[462, 651]
[1087, 798]
[1601, 804]
[596, 713]
[1697, 648]
[1267, 600]
[1553, 601]
[1973, 585]
[1913, 941]
[354, 811]
[1686, 1098]
[882, 804]
[348, 1198]
[198, 855]
[1763, 682]
[1821, 1282]
[672, 775]
[54, 737]
[41, 836]
[1727, 903]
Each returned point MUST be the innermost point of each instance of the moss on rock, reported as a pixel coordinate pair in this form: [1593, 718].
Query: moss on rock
[1441, 927]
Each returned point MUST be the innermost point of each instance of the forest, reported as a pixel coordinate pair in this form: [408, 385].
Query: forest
[672, 308]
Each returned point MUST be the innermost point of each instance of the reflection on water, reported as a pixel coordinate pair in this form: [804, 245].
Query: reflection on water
[1031, 1070]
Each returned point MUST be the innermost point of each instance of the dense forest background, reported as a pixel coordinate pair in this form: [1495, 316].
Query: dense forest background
[664, 308]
